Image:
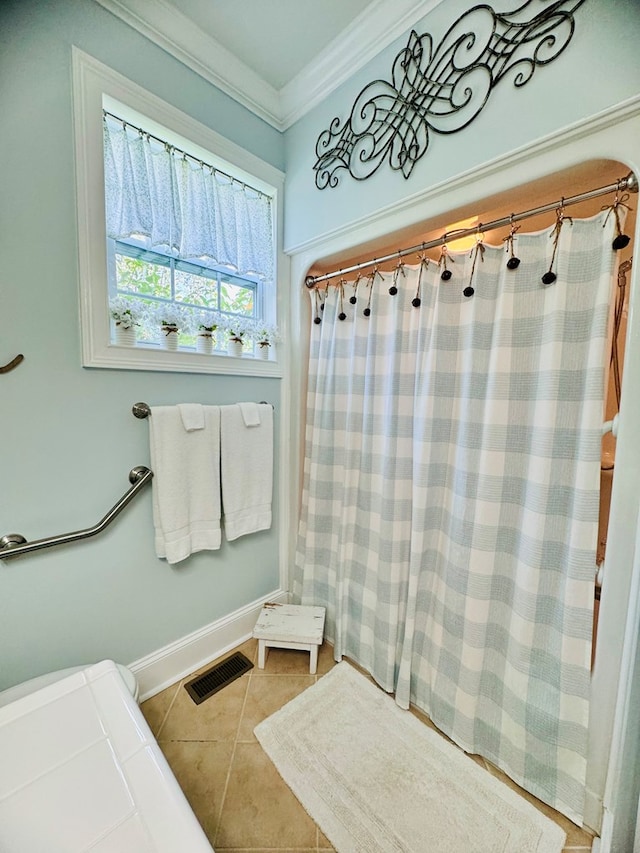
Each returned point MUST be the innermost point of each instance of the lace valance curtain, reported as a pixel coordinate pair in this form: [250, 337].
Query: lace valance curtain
[177, 205]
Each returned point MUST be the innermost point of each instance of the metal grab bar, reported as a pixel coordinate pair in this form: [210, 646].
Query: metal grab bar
[13, 544]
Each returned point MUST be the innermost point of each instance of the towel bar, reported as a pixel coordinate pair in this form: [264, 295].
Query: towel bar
[143, 410]
[14, 544]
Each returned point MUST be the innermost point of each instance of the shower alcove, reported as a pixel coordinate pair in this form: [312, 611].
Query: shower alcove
[552, 187]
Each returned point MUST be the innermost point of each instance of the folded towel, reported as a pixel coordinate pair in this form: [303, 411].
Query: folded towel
[192, 415]
[246, 462]
[250, 414]
[186, 483]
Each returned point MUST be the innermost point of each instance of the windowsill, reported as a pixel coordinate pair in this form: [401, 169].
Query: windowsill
[151, 358]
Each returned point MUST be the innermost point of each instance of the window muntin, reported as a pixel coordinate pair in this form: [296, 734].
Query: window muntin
[152, 278]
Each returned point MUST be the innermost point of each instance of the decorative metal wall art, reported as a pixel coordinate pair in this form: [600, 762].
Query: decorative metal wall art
[442, 89]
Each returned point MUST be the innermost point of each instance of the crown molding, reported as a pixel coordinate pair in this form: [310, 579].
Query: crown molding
[375, 28]
[167, 27]
[367, 35]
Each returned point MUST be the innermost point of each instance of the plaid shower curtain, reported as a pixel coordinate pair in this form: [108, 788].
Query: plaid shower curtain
[451, 488]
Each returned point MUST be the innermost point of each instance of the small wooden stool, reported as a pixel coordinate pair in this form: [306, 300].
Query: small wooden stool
[290, 626]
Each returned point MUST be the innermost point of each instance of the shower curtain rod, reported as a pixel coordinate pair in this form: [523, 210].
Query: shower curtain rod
[630, 183]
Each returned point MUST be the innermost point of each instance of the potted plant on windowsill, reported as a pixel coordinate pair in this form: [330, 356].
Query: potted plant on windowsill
[267, 335]
[207, 323]
[172, 319]
[126, 315]
[237, 328]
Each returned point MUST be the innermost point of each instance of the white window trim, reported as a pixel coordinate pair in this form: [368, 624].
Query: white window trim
[93, 81]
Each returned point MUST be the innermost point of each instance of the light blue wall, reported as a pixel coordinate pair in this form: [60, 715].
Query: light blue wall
[67, 435]
[599, 68]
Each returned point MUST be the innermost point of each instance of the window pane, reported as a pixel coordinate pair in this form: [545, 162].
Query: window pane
[196, 289]
[236, 298]
[142, 277]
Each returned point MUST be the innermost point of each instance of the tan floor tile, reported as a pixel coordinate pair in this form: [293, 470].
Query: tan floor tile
[259, 809]
[215, 719]
[250, 650]
[155, 709]
[266, 695]
[284, 662]
[201, 770]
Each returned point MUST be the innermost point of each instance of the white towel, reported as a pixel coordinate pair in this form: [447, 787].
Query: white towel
[192, 415]
[250, 414]
[246, 462]
[186, 483]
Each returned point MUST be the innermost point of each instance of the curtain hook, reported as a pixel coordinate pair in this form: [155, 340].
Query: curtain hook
[513, 263]
[444, 259]
[478, 249]
[398, 269]
[560, 212]
[617, 196]
[341, 284]
[371, 277]
[317, 319]
[424, 265]
[354, 298]
[549, 277]
[620, 241]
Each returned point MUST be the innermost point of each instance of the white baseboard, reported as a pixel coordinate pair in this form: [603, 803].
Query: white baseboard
[165, 666]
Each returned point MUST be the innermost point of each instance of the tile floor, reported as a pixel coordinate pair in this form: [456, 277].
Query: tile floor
[236, 793]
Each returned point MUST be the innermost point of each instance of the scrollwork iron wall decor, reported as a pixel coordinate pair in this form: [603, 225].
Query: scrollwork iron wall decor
[442, 89]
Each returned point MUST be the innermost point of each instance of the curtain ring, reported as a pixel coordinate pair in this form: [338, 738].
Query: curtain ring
[424, 265]
[398, 269]
[371, 277]
[354, 298]
[341, 284]
[479, 248]
[549, 277]
[444, 258]
[513, 263]
[317, 319]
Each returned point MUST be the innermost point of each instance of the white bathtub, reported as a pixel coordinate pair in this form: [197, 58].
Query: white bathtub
[81, 771]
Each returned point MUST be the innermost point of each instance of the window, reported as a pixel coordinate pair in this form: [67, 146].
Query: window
[206, 296]
[189, 227]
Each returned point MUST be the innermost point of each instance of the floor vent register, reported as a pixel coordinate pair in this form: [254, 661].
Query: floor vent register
[217, 677]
